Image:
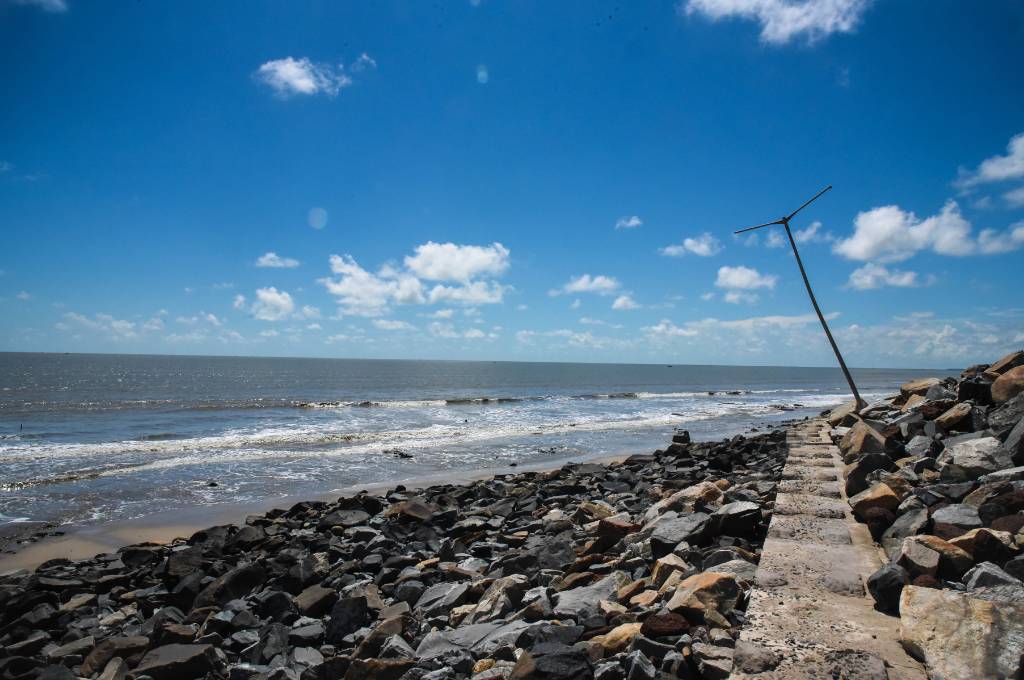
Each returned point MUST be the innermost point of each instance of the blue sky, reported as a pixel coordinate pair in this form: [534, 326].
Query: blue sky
[499, 180]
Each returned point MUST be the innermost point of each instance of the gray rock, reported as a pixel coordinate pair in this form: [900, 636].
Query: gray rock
[670, 532]
[580, 603]
[439, 599]
[971, 459]
[955, 520]
[481, 638]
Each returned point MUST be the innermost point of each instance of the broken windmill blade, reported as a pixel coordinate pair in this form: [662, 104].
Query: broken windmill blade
[784, 221]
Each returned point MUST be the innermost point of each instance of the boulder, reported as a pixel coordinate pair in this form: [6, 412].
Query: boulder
[880, 496]
[885, 586]
[910, 523]
[708, 596]
[579, 603]
[860, 439]
[739, 519]
[949, 562]
[671, 531]
[179, 662]
[551, 662]
[439, 599]
[618, 638]
[1010, 361]
[951, 419]
[1008, 385]
[958, 636]
[954, 520]
[110, 648]
[920, 386]
[837, 415]
[481, 638]
[970, 459]
[856, 473]
[233, 585]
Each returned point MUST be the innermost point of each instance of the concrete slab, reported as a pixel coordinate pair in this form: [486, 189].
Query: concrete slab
[809, 614]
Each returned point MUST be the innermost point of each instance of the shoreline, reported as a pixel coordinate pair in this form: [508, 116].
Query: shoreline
[77, 542]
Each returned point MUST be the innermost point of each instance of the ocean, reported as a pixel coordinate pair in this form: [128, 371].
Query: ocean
[86, 439]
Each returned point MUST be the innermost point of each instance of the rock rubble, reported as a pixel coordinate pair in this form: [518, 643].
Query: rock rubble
[635, 570]
[937, 475]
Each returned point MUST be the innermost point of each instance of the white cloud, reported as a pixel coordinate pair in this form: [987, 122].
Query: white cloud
[737, 296]
[474, 334]
[24, 295]
[362, 293]
[117, 329]
[783, 20]
[451, 262]
[600, 284]
[272, 259]
[526, 337]
[442, 314]
[992, 242]
[997, 168]
[272, 304]
[308, 312]
[363, 63]
[239, 302]
[774, 239]
[743, 278]
[153, 324]
[522, 307]
[338, 337]
[289, 77]
[812, 234]
[704, 245]
[667, 329]
[1015, 197]
[52, 6]
[707, 296]
[313, 327]
[625, 302]
[630, 222]
[588, 321]
[890, 234]
[393, 325]
[359, 292]
[211, 319]
[872, 276]
[271, 333]
[576, 304]
[472, 293]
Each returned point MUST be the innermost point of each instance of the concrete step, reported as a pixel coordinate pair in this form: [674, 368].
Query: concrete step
[809, 609]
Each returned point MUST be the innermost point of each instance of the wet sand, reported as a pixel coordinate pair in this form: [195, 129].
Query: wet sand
[82, 542]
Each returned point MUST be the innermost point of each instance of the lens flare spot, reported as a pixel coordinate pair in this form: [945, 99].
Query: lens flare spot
[317, 218]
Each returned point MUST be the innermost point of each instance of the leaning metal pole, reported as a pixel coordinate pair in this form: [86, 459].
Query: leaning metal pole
[810, 292]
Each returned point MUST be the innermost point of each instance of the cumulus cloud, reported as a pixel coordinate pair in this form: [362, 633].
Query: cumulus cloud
[585, 283]
[667, 329]
[116, 329]
[289, 77]
[812, 234]
[996, 168]
[275, 261]
[1015, 197]
[393, 325]
[784, 20]
[272, 304]
[629, 222]
[704, 245]
[872, 276]
[737, 296]
[451, 262]
[743, 278]
[890, 234]
[625, 302]
[363, 293]
[445, 330]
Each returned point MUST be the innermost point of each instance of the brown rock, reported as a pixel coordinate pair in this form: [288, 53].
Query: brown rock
[706, 596]
[1008, 385]
[1011, 360]
[954, 416]
[664, 624]
[618, 638]
[664, 567]
[862, 438]
[918, 386]
[178, 662]
[112, 647]
[879, 496]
